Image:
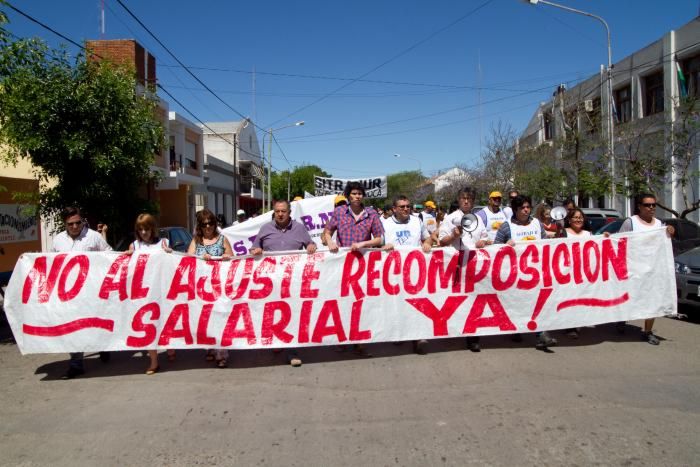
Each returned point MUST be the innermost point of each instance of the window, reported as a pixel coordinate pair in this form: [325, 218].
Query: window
[691, 70]
[623, 104]
[250, 142]
[548, 126]
[654, 94]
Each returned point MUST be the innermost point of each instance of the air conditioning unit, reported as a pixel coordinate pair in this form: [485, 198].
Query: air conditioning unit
[588, 105]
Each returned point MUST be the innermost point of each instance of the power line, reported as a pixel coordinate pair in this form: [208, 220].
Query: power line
[386, 62]
[370, 81]
[196, 78]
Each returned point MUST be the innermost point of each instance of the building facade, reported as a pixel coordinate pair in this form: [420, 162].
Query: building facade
[647, 93]
[232, 168]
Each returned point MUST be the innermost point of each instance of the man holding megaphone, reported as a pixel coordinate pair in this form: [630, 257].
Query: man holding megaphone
[464, 231]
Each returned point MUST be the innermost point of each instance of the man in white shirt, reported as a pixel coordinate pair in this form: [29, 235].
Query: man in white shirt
[645, 219]
[452, 234]
[429, 217]
[240, 217]
[492, 215]
[78, 237]
[405, 230]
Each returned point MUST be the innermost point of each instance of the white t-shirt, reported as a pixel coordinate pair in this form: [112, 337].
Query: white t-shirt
[88, 240]
[469, 239]
[160, 245]
[525, 233]
[430, 222]
[492, 220]
[571, 234]
[410, 233]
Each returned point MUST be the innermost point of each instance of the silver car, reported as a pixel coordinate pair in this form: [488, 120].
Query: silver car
[688, 277]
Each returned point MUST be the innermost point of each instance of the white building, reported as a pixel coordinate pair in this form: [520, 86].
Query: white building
[232, 168]
[645, 89]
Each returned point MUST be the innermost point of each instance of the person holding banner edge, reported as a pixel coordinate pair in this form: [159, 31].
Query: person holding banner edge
[283, 234]
[357, 227]
[78, 237]
[643, 220]
[452, 234]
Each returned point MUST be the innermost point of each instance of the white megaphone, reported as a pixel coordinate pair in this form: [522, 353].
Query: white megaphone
[468, 222]
[558, 213]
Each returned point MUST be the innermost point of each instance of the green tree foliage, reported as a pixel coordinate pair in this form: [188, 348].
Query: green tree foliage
[89, 133]
[301, 180]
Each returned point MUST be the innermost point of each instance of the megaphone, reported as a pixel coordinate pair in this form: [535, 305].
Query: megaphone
[558, 213]
[468, 222]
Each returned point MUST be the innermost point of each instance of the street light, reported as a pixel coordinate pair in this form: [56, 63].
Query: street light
[269, 165]
[611, 140]
[413, 159]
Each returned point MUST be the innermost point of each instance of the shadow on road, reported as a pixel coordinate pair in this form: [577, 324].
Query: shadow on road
[130, 363]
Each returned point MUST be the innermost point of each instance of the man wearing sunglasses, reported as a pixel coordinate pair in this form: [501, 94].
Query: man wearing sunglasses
[78, 237]
[644, 219]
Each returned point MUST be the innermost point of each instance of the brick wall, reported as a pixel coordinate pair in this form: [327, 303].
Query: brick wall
[126, 52]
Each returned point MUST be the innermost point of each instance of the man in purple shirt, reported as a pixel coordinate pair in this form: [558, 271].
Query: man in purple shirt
[283, 234]
[358, 227]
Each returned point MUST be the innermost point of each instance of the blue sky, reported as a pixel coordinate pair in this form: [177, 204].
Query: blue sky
[419, 63]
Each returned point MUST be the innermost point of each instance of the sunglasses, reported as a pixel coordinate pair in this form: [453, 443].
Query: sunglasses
[496, 198]
[649, 205]
[71, 224]
[207, 224]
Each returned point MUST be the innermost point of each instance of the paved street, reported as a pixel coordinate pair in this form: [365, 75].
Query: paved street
[603, 399]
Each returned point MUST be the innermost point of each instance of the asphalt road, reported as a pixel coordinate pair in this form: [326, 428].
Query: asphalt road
[603, 399]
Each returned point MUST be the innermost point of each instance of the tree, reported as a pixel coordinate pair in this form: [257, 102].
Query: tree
[89, 134]
[498, 158]
[684, 140]
[301, 180]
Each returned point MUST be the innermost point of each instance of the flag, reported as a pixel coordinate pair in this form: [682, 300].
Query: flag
[682, 86]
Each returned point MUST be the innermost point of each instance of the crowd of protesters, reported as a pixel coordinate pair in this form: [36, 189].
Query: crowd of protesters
[356, 226]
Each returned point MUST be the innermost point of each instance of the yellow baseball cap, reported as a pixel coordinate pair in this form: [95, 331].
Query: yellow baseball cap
[495, 194]
[297, 198]
[430, 204]
[339, 199]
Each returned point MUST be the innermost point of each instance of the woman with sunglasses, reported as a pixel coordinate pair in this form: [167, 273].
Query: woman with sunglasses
[209, 244]
[147, 241]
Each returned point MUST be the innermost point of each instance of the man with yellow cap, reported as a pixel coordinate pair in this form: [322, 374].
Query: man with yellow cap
[429, 219]
[492, 215]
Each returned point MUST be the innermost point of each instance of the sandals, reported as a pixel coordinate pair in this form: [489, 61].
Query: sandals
[223, 363]
[152, 371]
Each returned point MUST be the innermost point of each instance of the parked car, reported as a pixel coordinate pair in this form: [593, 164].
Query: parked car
[611, 228]
[178, 237]
[597, 218]
[687, 266]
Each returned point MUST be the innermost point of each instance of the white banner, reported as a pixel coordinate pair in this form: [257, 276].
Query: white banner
[313, 213]
[375, 187]
[109, 301]
[15, 226]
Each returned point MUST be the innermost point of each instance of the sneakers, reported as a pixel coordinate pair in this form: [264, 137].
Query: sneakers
[650, 338]
[295, 361]
[73, 372]
[473, 344]
[544, 341]
[420, 347]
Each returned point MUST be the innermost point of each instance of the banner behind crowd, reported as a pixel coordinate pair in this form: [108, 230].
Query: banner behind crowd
[111, 301]
[375, 187]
